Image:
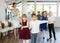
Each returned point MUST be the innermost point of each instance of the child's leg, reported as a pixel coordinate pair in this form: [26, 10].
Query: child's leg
[27, 41]
[50, 35]
[43, 33]
[49, 26]
[46, 34]
[35, 38]
[39, 37]
[32, 38]
[24, 41]
[53, 31]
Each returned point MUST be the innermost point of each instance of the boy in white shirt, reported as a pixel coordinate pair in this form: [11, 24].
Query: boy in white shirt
[34, 26]
[51, 21]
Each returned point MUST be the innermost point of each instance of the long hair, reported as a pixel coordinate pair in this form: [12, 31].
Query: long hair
[43, 15]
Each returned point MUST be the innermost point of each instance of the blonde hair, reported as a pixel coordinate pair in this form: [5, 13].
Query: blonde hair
[50, 13]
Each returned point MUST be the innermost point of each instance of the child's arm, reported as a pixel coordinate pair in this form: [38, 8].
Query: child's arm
[20, 20]
[9, 9]
[42, 21]
[26, 25]
[54, 19]
[30, 26]
[18, 14]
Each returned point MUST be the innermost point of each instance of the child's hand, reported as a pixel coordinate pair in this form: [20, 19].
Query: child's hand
[22, 28]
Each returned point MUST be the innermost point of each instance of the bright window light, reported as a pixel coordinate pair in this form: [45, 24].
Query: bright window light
[53, 9]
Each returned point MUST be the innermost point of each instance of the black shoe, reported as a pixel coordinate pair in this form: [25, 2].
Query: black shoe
[48, 39]
[54, 38]
[43, 37]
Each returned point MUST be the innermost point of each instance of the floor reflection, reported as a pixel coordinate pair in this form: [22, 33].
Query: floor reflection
[39, 39]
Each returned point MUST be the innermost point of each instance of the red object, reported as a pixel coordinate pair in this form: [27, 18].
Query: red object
[25, 32]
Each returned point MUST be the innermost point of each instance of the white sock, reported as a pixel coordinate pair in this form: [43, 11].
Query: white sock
[24, 41]
[27, 41]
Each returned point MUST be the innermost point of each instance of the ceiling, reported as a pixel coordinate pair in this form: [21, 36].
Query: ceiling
[17, 1]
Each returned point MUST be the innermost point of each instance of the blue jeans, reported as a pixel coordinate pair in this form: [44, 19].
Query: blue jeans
[34, 38]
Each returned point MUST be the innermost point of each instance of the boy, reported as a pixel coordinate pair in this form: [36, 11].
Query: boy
[39, 16]
[34, 26]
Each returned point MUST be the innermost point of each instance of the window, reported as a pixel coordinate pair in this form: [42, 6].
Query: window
[53, 9]
[39, 7]
[46, 8]
[7, 12]
[30, 7]
[59, 10]
[19, 6]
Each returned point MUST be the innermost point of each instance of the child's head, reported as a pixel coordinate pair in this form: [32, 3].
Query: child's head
[45, 13]
[38, 12]
[24, 17]
[34, 17]
[33, 12]
[50, 13]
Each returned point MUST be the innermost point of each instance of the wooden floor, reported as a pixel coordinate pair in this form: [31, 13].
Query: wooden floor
[39, 39]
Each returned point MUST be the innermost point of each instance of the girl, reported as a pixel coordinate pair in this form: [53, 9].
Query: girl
[51, 21]
[24, 31]
[14, 18]
[44, 25]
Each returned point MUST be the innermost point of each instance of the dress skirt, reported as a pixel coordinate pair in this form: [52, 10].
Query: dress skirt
[15, 23]
[24, 34]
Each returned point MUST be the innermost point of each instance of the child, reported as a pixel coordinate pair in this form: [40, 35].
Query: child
[24, 31]
[43, 26]
[51, 21]
[34, 26]
[39, 16]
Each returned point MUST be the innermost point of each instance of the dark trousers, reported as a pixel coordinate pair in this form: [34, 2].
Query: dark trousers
[51, 29]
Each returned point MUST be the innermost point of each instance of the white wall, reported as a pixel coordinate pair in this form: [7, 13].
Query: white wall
[43, 0]
[2, 10]
[57, 23]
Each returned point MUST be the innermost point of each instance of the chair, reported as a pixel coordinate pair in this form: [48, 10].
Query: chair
[5, 27]
[10, 26]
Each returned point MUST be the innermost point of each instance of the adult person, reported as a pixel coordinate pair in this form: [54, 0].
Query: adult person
[15, 13]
